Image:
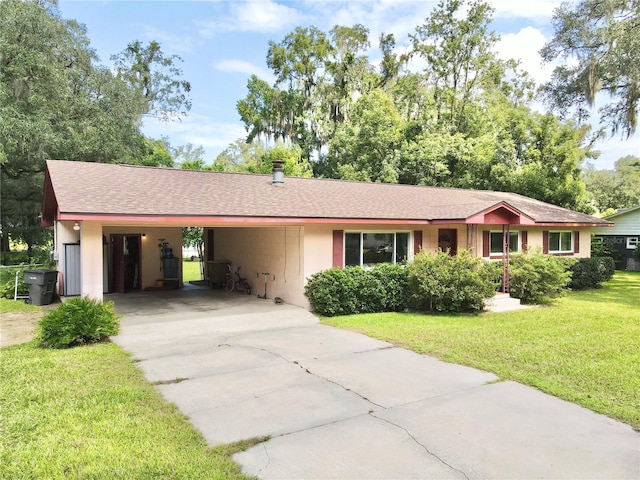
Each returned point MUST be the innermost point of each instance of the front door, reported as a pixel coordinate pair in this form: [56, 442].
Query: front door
[125, 258]
[119, 263]
[448, 240]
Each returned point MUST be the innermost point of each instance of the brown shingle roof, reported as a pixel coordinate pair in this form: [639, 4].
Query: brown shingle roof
[107, 189]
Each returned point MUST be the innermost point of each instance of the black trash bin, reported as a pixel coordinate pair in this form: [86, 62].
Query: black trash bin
[42, 285]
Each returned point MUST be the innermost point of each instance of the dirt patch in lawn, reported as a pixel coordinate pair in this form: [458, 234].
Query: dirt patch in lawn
[18, 327]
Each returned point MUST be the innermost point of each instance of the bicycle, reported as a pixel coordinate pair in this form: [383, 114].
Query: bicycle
[241, 284]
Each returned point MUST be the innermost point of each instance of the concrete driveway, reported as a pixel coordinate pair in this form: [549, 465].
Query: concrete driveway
[340, 405]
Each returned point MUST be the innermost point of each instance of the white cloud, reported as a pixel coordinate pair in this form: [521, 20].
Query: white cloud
[198, 130]
[247, 68]
[524, 46]
[258, 16]
[399, 17]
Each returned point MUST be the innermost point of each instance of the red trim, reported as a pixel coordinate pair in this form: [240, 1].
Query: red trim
[545, 241]
[561, 225]
[417, 241]
[190, 220]
[49, 203]
[499, 214]
[576, 242]
[221, 220]
[338, 248]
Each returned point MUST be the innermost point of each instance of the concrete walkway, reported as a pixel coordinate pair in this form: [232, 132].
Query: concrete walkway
[340, 405]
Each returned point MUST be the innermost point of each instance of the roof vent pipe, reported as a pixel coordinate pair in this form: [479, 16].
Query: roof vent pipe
[278, 173]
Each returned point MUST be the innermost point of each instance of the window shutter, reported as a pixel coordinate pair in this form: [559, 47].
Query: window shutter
[576, 242]
[523, 240]
[545, 242]
[417, 241]
[486, 243]
[338, 248]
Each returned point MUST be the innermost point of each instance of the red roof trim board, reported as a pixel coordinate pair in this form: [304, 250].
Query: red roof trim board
[186, 220]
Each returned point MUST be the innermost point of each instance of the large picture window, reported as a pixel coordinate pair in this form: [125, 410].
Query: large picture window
[495, 239]
[560, 242]
[370, 248]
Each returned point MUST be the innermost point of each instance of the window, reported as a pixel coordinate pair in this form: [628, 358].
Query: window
[495, 240]
[632, 243]
[370, 248]
[560, 242]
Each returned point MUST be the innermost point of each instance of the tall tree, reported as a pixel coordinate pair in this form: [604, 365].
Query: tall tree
[614, 189]
[57, 102]
[462, 120]
[272, 113]
[459, 56]
[600, 42]
[351, 74]
[190, 157]
[53, 104]
[318, 77]
[367, 147]
[156, 78]
[239, 154]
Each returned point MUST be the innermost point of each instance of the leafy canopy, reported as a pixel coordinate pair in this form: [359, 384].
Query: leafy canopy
[599, 40]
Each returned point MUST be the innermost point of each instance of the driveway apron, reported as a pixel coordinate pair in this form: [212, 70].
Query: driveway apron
[340, 405]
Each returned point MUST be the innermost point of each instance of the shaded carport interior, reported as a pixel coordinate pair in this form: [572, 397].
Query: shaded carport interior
[257, 248]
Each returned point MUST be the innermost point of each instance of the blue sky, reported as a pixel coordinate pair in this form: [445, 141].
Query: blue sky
[223, 42]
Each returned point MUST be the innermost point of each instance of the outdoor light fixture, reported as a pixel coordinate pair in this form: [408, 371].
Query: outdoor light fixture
[144, 235]
[76, 226]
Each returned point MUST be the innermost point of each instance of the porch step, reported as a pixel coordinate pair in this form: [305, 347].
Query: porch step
[502, 302]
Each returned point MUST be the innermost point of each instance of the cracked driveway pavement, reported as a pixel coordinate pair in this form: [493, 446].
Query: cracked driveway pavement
[340, 405]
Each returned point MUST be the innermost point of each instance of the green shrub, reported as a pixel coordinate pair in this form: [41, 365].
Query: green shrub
[353, 290]
[327, 292]
[534, 276]
[365, 291]
[591, 272]
[8, 289]
[394, 279]
[438, 281]
[77, 322]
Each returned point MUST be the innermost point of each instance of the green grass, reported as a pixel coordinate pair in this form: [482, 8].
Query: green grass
[584, 348]
[17, 306]
[87, 412]
[190, 271]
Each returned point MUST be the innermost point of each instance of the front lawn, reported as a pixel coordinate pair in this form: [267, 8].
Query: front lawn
[87, 412]
[584, 348]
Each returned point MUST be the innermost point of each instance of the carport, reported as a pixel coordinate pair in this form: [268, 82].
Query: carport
[113, 225]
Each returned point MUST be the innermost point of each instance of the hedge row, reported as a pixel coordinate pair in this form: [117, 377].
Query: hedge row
[338, 291]
[444, 283]
[437, 282]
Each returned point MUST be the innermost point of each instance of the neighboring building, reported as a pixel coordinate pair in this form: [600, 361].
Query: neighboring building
[115, 225]
[624, 236]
